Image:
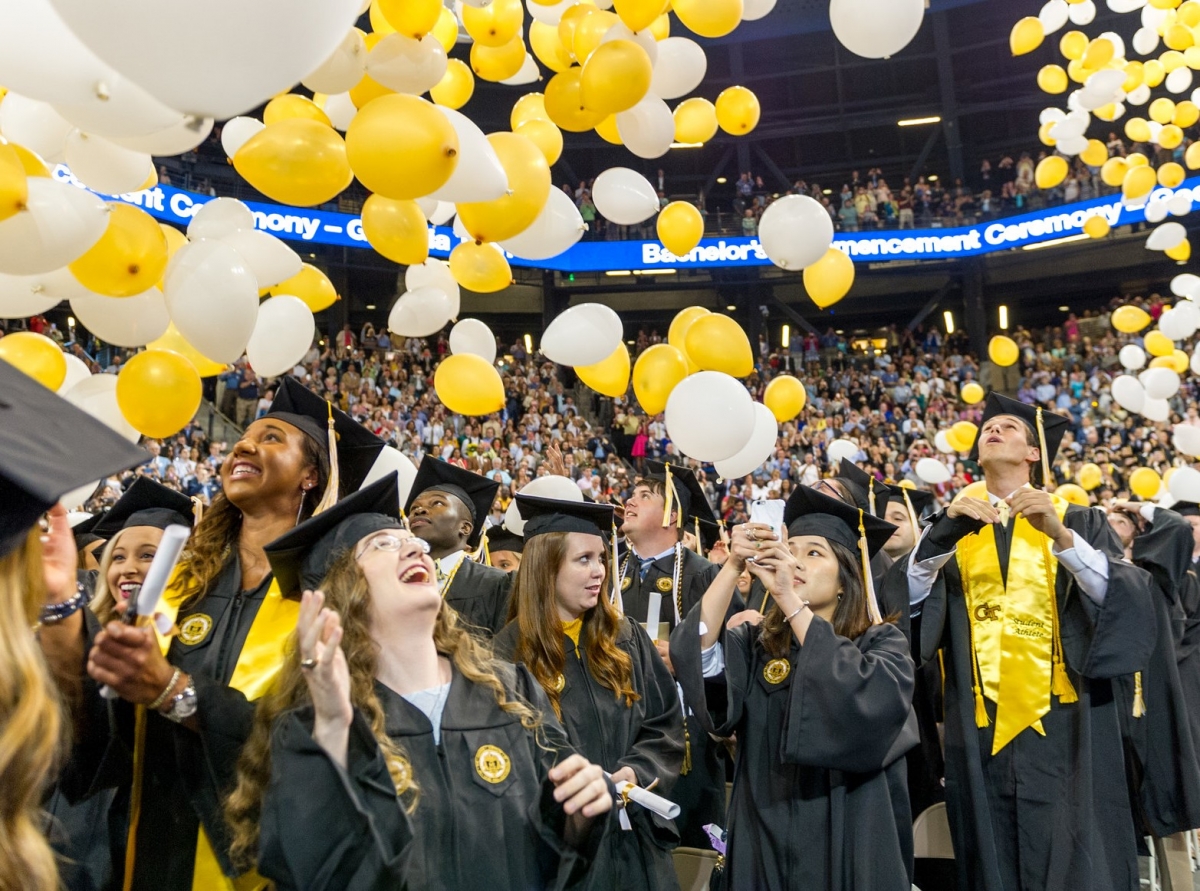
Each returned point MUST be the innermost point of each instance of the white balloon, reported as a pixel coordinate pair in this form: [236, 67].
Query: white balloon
[1195, 363]
[876, 29]
[1167, 325]
[1180, 204]
[127, 111]
[434, 273]
[105, 166]
[1145, 41]
[932, 471]
[556, 229]
[1157, 210]
[647, 129]
[624, 197]
[35, 125]
[1129, 393]
[1187, 440]
[473, 337]
[1179, 80]
[583, 334]
[282, 335]
[233, 57]
[1125, 5]
[59, 223]
[1139, 95]
[392, 460]
[124, 321]
[1053, 15]
[1132, 357]
[340, 110]
[1117, 41]
[1159, 383]
[1186, 285]
[1082, 13]
[479, 175]
[77, 371]
[753, 10]
[560, 488]
[680, 69]
[218, 218]
[942, 443]
[97, 395]
[1187, 318]
[1155, 130]
[644, 39]
[1166, 236]
[760, 447]
[460, 230]
[443, 211]
[182, 136]
[1074, 124]
[268, 257]
[1051, 115]
[1157, 410]
[529, 73]
[236, 132]
[1185, 481]
[405, 65]
[549, 15]
[841, 450]
[344, 67]
[22, 296]
[212, 298]
[1072, 145]
[1153, 17]
[795, 232]
[420, 312]
[710, 416]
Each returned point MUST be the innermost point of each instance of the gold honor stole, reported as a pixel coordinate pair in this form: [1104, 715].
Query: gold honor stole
[1016, 650]
[257, 666]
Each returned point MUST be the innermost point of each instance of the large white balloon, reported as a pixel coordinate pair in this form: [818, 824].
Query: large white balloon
[625, 197]
[420, 312]
[392, 460]
[405, 65]
[1166, 236]
[229, 56]
[97, 395]
[583, 335]
[752, 10]
[218, 218]
[1157, 410]
[1160, 383]
[1187, 319]
[1053, 15]
[59, 223]
[1129, 393]
[841, 450]
[795, 232]
[212, 298]
[282, 335]
[1180, 204]
[434, 273]
[473, 337]
[549, 15]
[680, 69]
[710, 416]
[479, 175]
[1082, 13]
[942, 443]
[1187, 441]
[557, 227]
[182, 136]
[129, 111]
[647, 129]
[876, 29]
[560, 488]
[1186, 285]
[268, 257]
[105, 166]
[22, 296]
[1132, 357]
[340, 109]
[1145, 41]
[760, 447]
[343, 69]
[932, 471]
[1185, 481]
[77, 370]
[35, 125]
[238, 131]
[124, 321]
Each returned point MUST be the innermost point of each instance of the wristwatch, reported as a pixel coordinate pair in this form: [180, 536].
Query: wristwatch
[183, 704]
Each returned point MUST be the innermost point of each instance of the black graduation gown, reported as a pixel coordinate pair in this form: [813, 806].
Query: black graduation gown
[1053, 811]
[480, 595]
[1187, 650]
[819, 756]
[700, 793]
[325, 828]
[647, 737]
[1161, 756]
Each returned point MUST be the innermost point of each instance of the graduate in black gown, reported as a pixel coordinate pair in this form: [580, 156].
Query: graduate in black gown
[396, 752]
[504, 548]
[1036, 612]
[1187, 648]
[447, 507]
[820, 697]
[858, 488]
[603, 676]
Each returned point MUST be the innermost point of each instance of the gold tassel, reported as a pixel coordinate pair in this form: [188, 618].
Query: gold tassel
[330, 498]
[981, 718]
[871, 496]
[1061, 686]
[868, 581]
[1060, 681]
[1139, 701]
[668, 496]
[699, 546]
[1041, 432]
[687, 751]
[615, 597]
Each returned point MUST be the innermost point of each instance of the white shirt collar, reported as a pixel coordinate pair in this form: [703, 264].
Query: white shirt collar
[448, 563]
[668, 552]
[996, 499]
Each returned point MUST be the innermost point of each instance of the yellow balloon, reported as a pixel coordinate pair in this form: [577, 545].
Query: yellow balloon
[1095, 154]
[1178, 37]
[1073, 494]
[379, 23]
[738, 110]
[456, 87]
[530, 107]
[175, 342]
[957, 444]
[1170, 136]
[397, 229]
[1096, 227]
[1138, 182]
[545, 43]
[1192, 156]
[785, 396]
[1051, 171]
[656, 373]
[528, 189]
[972, 393]
[129, 258]
[680, 227]
[14, 186]
[965, 432]
[1130, 319]
[545, 135]
[716, 342]
[30, 161]
[695, 120]
[1145, 483]
[1153, 73]
[37, 356]
[1072, 45]
[311, 285]
[481, 268]
[402, 147]
[1187, 113]
[609, 377]
[1137, 129]
[677, 333]
[158, 392]
[1078, 72]
[589, 31]
[1158, 344]
[289, 105]
[1188, 13]
[1172, 361]
[495, 24]
[1090, 476]
[640, 14]
[1003, 351]
[1113, 171]
[296, 161]
[446, 29]
[1044, 134]
[368, 90]
[1133, 76]
[412, 18]
[1181, 252]
[607, 130]
[497, 63]
[709, 18]
[1052, 79]
[829, 279]
[1162, 110]
[1027, 35]
[615, 77]
[660, 28]
[469, 385]
[564, 103]
[1171, 174]
[570, 21]
[1099, 53]
[1171, 60]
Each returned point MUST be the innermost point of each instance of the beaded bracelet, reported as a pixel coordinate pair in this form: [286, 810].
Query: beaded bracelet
[796, 612]
[53, 613]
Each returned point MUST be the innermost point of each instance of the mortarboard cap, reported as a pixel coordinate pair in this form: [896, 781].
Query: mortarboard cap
[499, 538]
[146, 503]
[301, 557]
[48, 447]
[1186, 508]
[542, 515]
[1049, 431]
[916, 501]
[475, 491]
[875, 492]
[84, 531]
[686, 489]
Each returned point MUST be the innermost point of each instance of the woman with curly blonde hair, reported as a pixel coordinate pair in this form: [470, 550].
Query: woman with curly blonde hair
[394, 750]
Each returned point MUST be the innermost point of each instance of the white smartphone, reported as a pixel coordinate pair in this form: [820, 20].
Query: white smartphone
[770, 513]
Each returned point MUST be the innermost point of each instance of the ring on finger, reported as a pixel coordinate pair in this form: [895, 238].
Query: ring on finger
[308, 664]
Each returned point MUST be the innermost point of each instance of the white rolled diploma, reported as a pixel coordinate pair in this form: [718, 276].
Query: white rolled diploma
[668, 810]
[653, 609]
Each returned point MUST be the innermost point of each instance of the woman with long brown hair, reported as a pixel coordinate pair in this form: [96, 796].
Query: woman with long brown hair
[395, 751]
[602, 675]
[819, 695]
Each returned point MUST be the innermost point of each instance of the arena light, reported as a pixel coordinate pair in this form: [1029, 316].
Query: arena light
[721, 180]
[949, 317]
[370, 306]
[1003, 317]
[1055, 242]
[616, 272]
[1064, 309]
[731, 308]
[687, 145]
[916, 122]
[528, 344]
[785, 339]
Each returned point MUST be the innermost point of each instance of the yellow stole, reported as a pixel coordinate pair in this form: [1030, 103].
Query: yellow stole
[1016, 650]
[572, 630]
[257, 666]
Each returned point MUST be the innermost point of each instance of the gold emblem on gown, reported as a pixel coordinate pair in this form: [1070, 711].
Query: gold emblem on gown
[492, 764]
[195, 628]
[625, 583]
[559, 684]
[776, 671]
[663, 584]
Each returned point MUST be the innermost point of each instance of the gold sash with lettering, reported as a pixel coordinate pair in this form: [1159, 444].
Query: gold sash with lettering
[258, 664]
[1016, 651]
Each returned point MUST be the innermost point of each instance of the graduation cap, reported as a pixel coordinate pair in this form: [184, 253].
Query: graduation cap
[683, 489]
[48, 447]
[146, 503]
[874, 494]
[301, 557]
[499, 538]
[915, 501]
[475, 491]
[809, 512]
[1048, 428]
[84, 530]
[543, 515]
[1186, 508]
[351, 447]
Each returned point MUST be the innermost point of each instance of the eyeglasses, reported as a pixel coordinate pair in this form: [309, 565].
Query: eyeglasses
[387, 541]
